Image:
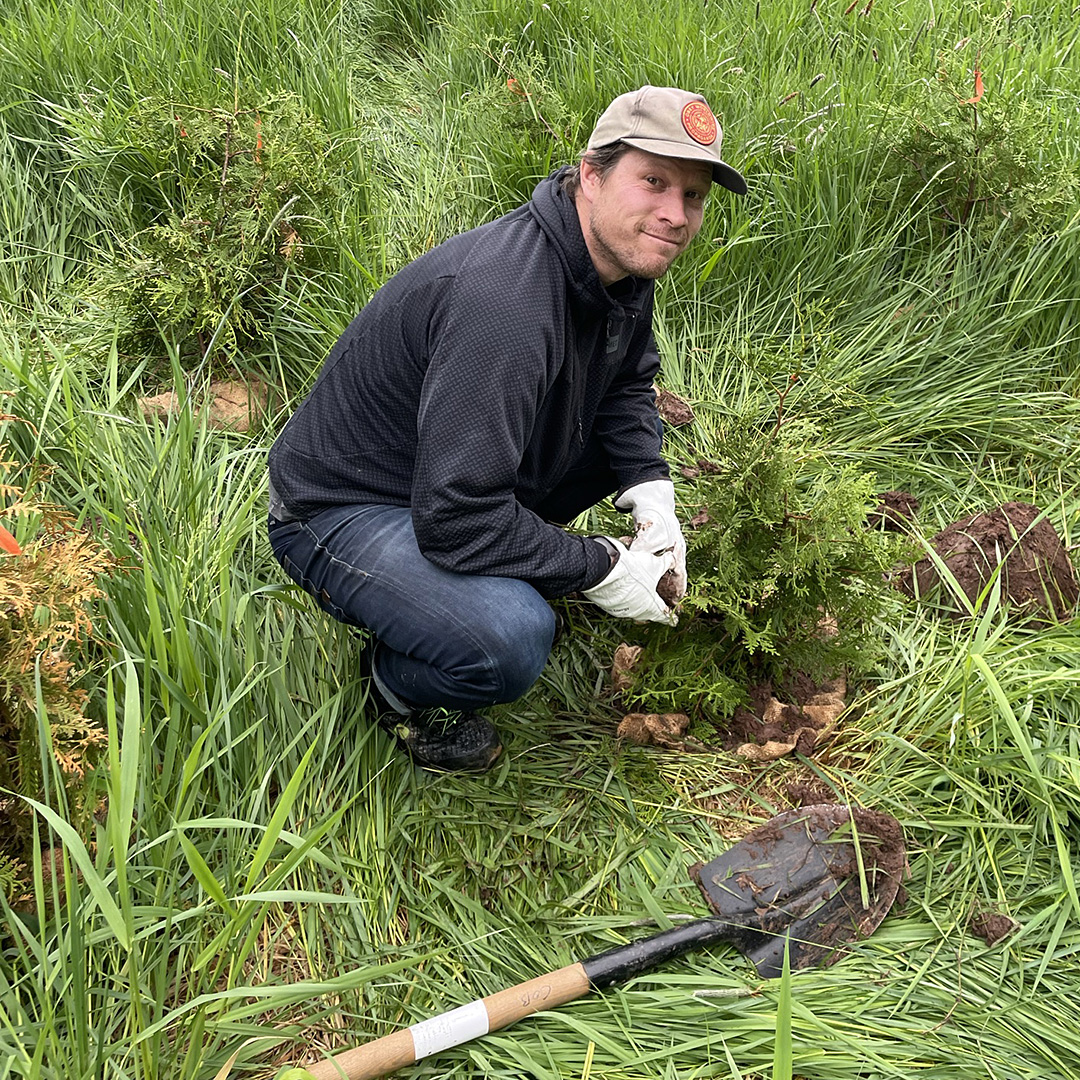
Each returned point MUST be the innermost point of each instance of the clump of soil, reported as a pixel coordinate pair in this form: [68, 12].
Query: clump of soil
[771, 728]
[230, 405]
[807, 793]
[992, 926]
[703, 467]
[672, 409]
[655, 729]
[668, 588]
[1037, 577]
[626, 656]
[895, 512]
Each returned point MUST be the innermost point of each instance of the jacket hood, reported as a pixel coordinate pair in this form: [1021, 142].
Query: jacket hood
[557, 216]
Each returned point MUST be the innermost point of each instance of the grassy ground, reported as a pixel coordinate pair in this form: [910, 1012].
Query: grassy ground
[264, 868]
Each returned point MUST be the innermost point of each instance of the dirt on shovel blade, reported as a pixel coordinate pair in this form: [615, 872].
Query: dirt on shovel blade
[801, 880]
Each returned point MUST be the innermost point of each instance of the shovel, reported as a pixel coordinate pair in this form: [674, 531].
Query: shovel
[806, 882]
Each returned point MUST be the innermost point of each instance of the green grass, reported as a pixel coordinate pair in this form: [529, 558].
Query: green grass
[264, 867]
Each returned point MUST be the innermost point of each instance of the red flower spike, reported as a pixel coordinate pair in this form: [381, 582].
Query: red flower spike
[978, 90]
[9, 543]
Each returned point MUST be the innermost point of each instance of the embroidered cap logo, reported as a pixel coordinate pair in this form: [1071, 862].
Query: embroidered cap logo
[699, 122]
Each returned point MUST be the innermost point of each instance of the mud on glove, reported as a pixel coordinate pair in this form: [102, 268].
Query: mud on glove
[656, 528]
[629, 590]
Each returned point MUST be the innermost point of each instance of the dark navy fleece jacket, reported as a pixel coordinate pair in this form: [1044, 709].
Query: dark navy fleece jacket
[467, 387]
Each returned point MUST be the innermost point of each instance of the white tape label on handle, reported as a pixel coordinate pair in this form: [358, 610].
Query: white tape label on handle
[450, 1029]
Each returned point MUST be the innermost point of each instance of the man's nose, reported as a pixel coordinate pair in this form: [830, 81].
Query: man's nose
[673, 209]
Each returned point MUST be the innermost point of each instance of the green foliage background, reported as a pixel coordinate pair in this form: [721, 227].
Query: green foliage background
[265, 867]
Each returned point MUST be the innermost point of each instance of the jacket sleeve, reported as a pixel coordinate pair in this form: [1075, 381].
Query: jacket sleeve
[627, 421]
[492, 351]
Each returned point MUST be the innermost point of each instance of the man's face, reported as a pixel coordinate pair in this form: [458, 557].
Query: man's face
[642, 214]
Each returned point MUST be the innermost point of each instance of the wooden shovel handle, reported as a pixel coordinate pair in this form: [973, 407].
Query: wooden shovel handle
[453, 1028]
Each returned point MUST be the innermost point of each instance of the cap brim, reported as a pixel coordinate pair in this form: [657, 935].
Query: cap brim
[722, 173]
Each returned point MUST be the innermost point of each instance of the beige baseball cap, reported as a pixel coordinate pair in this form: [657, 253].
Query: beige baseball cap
[670, 122]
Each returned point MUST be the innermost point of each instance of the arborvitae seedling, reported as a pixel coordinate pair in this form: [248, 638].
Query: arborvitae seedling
[241, 197]
[785, 575]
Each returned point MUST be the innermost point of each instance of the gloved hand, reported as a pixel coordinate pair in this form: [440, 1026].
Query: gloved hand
[629, 590]
[656, 528]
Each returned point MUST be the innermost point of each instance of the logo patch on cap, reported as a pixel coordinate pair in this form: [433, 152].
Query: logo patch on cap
[699, 122]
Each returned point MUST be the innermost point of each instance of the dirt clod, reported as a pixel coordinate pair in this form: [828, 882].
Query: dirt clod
[1037, 577]
[673, 410]
[992, 926]
[626, 656]
[771, 728]
[703, 466]
[230, 405]
[803, 793]
[655, 729]
[668, 588]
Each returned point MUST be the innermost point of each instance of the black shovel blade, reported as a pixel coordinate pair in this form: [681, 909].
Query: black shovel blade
[810, 880]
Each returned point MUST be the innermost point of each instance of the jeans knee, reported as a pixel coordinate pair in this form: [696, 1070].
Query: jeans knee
[519, 652]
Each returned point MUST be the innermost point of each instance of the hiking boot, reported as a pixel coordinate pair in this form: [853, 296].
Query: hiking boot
[446, 739]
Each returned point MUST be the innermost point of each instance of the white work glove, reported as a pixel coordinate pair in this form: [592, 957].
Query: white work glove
[656, 528]
[629, 590]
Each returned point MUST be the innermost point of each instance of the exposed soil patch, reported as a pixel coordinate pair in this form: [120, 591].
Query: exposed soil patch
[895, 512]
[771, 727]
[1037, 577]
[796, 717]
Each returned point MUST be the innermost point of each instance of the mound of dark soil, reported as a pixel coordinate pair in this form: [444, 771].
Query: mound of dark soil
[1037, 577]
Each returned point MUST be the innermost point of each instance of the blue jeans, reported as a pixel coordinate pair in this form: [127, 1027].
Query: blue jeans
[460, 641]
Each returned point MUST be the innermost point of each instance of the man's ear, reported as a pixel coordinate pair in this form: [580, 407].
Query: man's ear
[591, 179]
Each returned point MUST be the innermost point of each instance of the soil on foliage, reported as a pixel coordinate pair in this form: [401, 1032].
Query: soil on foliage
[1037, 577]
[655, 729]
[673, 409]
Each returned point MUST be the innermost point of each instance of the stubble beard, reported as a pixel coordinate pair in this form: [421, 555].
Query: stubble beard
[626, 257]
